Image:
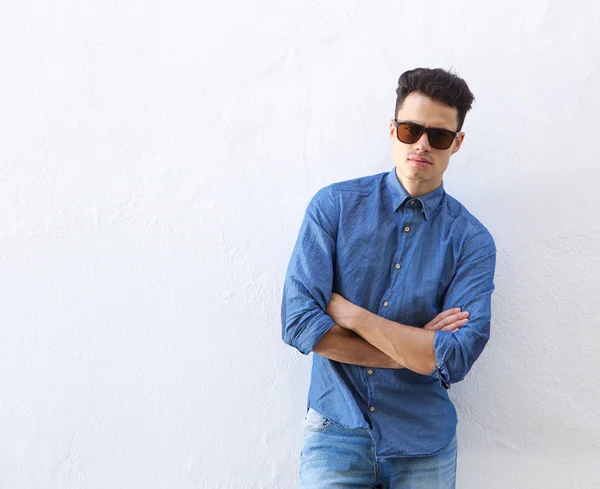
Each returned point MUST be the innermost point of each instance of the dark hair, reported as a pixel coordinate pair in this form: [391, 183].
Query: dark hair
[437, 84]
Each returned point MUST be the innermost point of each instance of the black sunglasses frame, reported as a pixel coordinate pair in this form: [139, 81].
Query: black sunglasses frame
[430, 131]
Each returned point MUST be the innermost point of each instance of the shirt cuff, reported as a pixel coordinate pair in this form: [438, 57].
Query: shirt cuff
[441, 373]
[318, 329]
[441, 347]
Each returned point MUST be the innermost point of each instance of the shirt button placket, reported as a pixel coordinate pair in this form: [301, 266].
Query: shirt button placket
[370, 372]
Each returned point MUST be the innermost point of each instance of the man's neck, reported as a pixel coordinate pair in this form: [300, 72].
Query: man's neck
[416, 188]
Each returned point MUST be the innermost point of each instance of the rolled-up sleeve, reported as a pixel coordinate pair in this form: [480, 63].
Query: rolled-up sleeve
[309, 279]
[471, 290]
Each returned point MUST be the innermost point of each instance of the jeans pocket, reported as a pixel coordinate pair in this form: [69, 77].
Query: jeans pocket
[315, 422]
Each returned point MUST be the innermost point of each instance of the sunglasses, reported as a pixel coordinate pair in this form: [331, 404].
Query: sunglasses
[410, 133]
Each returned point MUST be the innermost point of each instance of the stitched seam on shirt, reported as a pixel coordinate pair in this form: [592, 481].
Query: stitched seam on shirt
[339, 211]
[469, 218]
[472, 229]
[360, 192]
[376, 184]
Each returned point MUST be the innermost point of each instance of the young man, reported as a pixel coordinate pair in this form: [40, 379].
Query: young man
[390, 285]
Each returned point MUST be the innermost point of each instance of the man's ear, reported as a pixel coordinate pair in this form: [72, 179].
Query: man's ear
[458, 142]
[392, 130]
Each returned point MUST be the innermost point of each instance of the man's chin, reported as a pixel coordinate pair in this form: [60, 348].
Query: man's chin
[415, 176]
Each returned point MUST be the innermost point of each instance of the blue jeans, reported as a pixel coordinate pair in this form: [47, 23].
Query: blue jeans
[336, 457]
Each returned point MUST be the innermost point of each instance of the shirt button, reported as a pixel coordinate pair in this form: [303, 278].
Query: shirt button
[385, 304]
[407, 229]
[412, 202]
[372, 408]
[370, 372]
[397, 266]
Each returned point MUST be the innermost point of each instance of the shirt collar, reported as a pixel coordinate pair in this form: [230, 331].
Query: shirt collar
[399, 195]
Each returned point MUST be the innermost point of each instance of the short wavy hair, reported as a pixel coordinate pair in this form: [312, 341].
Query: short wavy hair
[437, 84]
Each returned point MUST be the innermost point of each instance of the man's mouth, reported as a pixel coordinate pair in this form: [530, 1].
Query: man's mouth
[420, 161]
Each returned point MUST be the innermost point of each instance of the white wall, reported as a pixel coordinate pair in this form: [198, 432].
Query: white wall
[155, 162]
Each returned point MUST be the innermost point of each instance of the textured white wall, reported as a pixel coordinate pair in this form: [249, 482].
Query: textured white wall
[156, 159]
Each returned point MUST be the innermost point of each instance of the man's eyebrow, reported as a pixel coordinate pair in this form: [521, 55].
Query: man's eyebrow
[428, 127]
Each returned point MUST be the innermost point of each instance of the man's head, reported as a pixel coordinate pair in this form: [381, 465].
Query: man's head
[431, 106]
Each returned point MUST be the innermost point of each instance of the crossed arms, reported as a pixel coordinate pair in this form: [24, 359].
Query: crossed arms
[360, 337]
[314, 318]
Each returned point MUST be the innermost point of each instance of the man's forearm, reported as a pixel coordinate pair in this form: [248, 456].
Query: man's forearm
[407, 345]
[344, 346]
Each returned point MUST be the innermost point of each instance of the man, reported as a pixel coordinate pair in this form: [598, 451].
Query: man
[390, 285]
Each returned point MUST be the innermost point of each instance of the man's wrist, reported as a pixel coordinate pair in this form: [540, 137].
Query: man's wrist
[359, 319]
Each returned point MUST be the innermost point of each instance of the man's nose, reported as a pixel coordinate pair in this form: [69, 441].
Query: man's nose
[423, 143]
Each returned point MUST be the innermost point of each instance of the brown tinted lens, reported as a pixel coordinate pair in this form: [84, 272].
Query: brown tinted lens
[409, 133]
[440, 138]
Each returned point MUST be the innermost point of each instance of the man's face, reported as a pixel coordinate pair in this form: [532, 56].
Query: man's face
[419, 166]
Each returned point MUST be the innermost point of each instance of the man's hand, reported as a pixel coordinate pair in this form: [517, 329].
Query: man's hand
[347, 315]
[449, 320]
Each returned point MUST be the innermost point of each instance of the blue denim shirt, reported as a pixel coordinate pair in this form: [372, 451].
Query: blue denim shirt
[406, 259]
